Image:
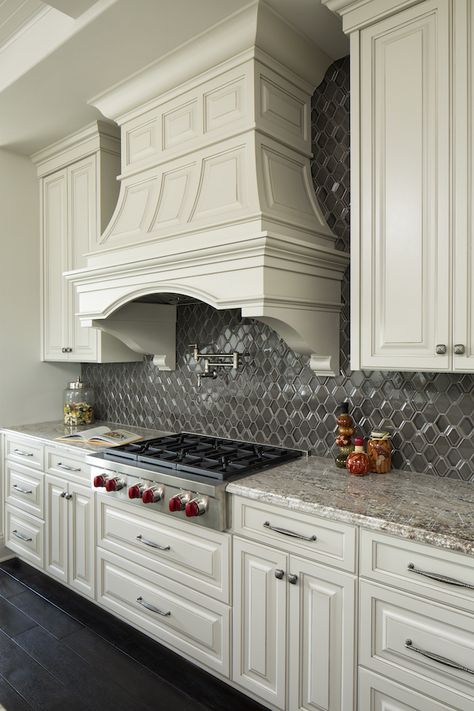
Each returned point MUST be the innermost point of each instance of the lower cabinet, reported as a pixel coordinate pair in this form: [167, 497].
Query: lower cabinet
[376, 693]
[70, 541]
[294, 626]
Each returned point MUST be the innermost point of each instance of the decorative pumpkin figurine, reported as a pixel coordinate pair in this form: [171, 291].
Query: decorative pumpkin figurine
[358, 462]
[345, 427]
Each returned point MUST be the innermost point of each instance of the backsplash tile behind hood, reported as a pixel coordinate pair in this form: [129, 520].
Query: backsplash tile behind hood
[276, 397]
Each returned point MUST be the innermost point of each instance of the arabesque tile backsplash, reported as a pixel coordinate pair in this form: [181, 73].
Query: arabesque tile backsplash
[275, 397]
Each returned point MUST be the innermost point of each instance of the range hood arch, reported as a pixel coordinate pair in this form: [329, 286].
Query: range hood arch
[216, 200]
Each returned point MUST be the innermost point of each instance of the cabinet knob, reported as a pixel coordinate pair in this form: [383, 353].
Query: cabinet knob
[441, 349]
[68, 497]
[279, 574]
[459, 349]
[63, 350]
[292, 578]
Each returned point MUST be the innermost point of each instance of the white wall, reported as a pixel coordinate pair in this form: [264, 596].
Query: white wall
[30, 391]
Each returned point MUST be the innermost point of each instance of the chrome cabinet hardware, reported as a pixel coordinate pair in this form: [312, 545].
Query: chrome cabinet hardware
[286, 532]
[437, 658]
[19, 535]
[68, 497]
[279, 574]
[292, 578]
[66, 350]
[441, 349]
[152, 608]
[441, 578]
[22, 491]
[459, 349]
[147, 542]
[22, 453]
[62, 495]
[68, 468]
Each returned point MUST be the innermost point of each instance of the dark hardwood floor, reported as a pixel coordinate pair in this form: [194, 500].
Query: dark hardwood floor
[60, 652]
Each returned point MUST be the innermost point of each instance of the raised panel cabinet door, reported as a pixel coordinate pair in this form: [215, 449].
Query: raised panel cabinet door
[321, 638]
[260, 598]
[56, 523]
[55, 294]
[463, 281]
[403, 277]
[82, 235]
[376, 693]
[81, 539]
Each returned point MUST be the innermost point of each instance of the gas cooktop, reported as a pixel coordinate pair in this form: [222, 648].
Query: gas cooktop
[202, 455]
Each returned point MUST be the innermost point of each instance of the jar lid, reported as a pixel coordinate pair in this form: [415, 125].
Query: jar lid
[359, 441]
[76, 384]
[380, 435]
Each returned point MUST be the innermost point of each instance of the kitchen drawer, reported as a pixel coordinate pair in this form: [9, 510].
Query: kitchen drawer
[176, 615]
[390, 620]
[414, 567]
[68, 465]
[189, 554]
[24, 535]
[25, 450]
[379, 694]
[24, 488]
[328, 542]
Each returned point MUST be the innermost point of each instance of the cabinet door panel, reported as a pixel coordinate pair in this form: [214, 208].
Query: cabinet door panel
[405, 190]
[55, 294]
[81, 539]
[322, 638]
[56, 528]
[260, 620]
[82, 235]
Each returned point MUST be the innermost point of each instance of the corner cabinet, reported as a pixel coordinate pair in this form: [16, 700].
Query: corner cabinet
[412, 301]
[78, 192]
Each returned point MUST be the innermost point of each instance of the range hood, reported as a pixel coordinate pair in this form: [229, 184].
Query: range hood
[216, 200]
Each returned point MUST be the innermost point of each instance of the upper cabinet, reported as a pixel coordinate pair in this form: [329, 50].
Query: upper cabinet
[78, 194]
[412, 301]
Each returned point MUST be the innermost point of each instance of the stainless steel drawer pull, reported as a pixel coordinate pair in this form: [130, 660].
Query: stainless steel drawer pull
[286, 532]
[437, 658]
[21, 536]
[22, 491]
[68, 468]
[146, 542]
[441, 578]
[152, 608]
[22, 453]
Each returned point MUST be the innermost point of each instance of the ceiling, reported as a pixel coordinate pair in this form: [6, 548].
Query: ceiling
[56, 55]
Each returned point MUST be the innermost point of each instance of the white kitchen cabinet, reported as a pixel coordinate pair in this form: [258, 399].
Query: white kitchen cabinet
[70, 543]
[78, 195]
[294, 626]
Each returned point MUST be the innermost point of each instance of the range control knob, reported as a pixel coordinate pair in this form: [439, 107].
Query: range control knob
[136, 491]
[196, 507]
[152, 494]
[114, 483]
[178, 502]
[100, 480]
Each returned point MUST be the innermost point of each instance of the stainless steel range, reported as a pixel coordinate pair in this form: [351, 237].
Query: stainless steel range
[182, 475]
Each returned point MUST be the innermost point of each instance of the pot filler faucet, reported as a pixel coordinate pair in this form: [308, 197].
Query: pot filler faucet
[214, 361]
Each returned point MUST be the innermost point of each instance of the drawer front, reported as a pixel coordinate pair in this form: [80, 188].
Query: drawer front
[24, 450]
[401, 634]
[70, 466]
[24, 488]
[169, 612]
[441, 575]
[198, 558]
[321, 540]
[24, 535]
[379, 694]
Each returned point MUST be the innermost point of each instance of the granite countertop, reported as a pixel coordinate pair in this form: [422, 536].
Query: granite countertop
[419, 507]
[48, 432]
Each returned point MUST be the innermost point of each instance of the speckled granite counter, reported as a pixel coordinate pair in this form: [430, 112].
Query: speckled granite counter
[48, 432]
[419, 507]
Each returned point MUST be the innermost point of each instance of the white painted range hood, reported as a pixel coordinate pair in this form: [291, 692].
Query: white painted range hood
[216, 198]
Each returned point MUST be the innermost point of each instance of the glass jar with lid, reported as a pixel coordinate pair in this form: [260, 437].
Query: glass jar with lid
[379, 449]
[79, 401]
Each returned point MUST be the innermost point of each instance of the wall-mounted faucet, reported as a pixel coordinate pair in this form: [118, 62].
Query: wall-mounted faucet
[213, 361]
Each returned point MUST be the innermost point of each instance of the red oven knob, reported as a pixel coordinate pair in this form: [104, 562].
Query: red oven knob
[178, 502]
[196, 507]
[100, 480]
[136, 491]
[114, 484]
[152, 495]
